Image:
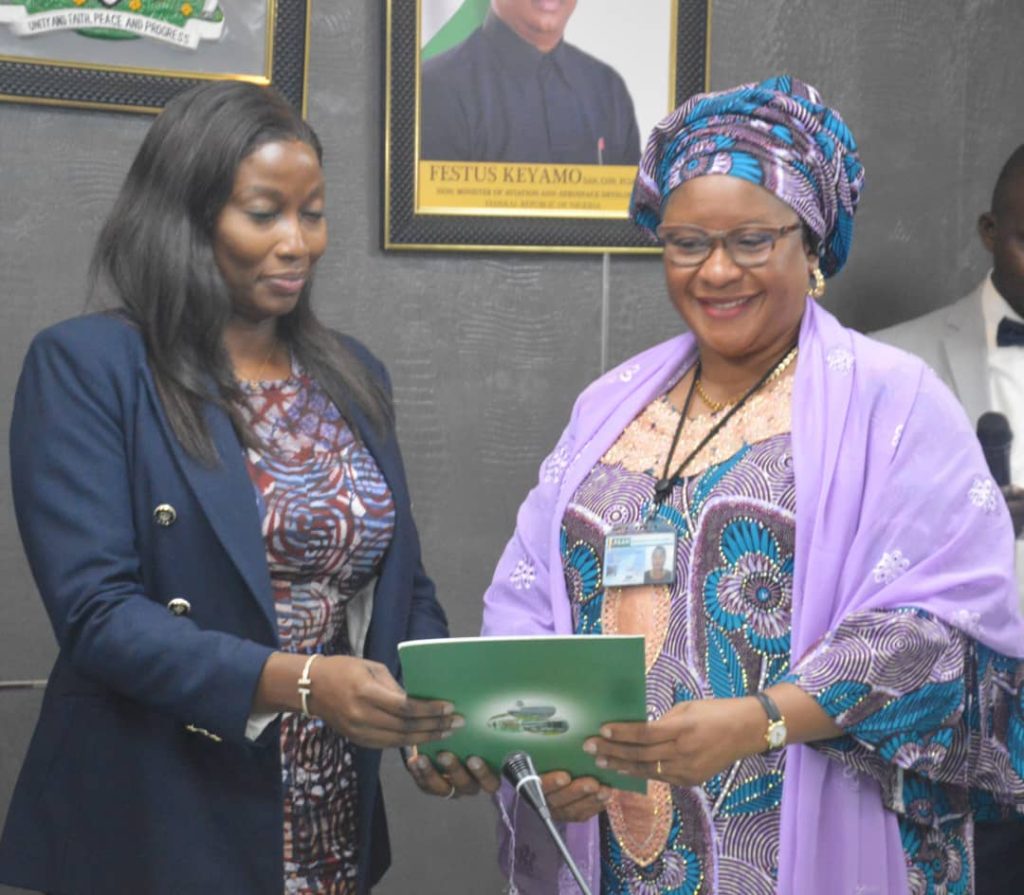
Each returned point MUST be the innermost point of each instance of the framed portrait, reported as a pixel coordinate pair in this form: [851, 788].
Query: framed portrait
[517, 125]
[134, 55]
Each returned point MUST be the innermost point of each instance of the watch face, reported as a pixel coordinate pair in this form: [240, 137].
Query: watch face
[776, 735]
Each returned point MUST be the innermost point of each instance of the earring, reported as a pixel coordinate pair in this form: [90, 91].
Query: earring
[818, 289]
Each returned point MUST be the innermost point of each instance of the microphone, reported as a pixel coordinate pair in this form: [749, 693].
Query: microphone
[518, 769]
[996, 437]
[520, 772]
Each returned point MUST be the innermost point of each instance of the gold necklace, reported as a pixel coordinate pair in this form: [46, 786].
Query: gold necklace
[717, 406]
[259, 372]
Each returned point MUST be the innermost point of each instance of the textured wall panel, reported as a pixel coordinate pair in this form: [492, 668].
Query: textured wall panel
[18, 711]
[488, 352]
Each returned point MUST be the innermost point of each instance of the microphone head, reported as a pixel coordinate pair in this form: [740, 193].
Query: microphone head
[994, 429]
[518, 766]
[519, 771]
[995, 437]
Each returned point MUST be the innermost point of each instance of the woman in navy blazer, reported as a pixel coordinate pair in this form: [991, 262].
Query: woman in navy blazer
[156, 765]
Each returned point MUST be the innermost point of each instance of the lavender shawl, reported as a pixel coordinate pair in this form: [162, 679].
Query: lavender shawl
[894, 508]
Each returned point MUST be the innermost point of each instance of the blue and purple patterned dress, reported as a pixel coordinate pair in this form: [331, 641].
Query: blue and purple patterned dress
[328, 517]
[893, 681]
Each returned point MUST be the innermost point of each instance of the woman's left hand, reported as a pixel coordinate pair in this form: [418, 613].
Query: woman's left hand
[455, 779]
[687, 745]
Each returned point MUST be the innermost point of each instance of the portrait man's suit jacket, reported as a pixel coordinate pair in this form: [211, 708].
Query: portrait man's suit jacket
[139, 777]
[951, 341]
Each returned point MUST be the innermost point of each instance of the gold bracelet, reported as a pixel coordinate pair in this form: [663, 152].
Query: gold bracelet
[305, 683]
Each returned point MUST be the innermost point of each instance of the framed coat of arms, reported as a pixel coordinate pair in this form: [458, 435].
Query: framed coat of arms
[134, 55]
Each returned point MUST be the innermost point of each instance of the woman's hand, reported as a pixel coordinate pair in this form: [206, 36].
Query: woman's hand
[454, 779]
[574, 800]
[693, 741]
[361, 700]
[358, 698]
[568, 799]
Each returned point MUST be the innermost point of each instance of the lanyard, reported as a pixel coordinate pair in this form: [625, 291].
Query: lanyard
[663, 487]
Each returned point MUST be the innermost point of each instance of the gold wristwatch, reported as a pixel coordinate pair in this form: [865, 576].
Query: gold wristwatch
[775, 736]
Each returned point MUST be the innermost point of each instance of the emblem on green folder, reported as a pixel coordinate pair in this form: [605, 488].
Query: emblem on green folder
[183, 23]
[523, 718]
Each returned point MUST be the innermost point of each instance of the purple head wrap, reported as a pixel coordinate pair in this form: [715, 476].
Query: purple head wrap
[776, 134]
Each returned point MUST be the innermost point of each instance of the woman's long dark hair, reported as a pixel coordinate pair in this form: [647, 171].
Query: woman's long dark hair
[156, 254]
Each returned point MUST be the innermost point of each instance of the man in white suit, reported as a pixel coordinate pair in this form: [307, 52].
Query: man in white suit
[977, 347]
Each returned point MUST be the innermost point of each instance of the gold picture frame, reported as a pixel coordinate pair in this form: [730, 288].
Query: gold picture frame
[469, 203]
[134, 55]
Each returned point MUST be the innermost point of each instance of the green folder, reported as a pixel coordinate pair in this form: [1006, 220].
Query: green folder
[541, 695]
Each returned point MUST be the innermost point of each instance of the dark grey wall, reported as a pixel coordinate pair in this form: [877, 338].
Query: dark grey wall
[488, 351]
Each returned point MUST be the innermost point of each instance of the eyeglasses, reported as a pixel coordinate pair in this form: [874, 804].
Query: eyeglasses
[746, 246]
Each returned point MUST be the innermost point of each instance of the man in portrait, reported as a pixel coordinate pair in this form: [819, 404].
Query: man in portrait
[515, 91]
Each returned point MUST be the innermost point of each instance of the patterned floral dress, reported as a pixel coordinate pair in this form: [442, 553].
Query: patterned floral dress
[328, 518]
[893, 681]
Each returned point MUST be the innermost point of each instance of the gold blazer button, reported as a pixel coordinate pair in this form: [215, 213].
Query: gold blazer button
[179, 606]
[165, 515]
[202, 731]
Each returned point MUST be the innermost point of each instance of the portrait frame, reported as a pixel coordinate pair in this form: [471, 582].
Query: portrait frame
[132, 88]
[409, 223]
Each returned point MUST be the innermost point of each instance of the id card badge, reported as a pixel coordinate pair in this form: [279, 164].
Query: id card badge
[642, 555]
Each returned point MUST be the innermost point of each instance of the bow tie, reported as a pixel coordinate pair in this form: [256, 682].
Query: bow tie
[1010, 332]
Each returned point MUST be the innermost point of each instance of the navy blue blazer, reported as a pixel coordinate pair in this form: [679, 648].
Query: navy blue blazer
[139, 777]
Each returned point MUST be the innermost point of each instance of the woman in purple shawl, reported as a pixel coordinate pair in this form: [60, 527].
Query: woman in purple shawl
[832, 677]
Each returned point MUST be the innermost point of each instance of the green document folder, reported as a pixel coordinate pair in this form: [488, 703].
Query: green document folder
[541, 695]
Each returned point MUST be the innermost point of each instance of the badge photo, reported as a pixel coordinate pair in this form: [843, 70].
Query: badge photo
[645, 557]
